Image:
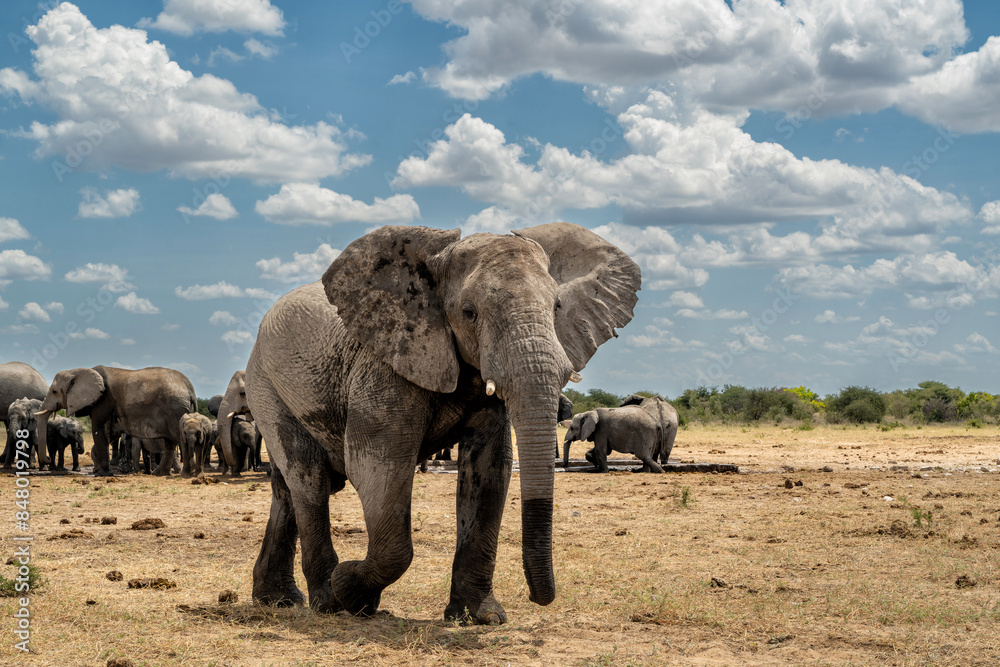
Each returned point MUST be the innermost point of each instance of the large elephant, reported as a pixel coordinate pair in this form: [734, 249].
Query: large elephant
[145, 403]
[630, 430]
[63, 432]
[233, 405]
[18, 380]
[20, 417]
[665, 413]
[433, 339]
[196, 443]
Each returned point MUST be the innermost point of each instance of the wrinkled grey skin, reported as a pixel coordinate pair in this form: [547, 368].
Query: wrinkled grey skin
[20, 416]
[398, 370]
[145, 403]
[64, 432]
[630, 430]
[196, 443]
[233, 405]
[664, 413]
[17, 380]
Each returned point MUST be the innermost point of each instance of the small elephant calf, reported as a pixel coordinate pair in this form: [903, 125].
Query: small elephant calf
[60, 433]
[630, 430]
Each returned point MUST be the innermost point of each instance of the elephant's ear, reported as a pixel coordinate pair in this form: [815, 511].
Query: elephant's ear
[597, 286]
[86, 386]
[589, 425]
[65, 427]
[386, 297]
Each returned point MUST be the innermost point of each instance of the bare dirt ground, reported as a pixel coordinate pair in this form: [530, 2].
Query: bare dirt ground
[833, 546]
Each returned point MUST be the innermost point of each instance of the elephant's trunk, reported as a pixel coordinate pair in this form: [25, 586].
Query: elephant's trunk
[566, 444]
[531, 394]
[225, 425]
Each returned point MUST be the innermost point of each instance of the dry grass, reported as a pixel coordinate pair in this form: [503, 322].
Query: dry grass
[677, 569]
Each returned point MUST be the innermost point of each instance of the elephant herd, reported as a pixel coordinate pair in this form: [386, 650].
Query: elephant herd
[148, 414]
[414, 339]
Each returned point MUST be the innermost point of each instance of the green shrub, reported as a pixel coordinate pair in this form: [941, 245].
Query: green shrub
[859, 405]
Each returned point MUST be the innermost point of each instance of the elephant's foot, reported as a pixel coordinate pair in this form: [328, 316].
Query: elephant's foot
[76, 468]
[351, 592]
[103, 472]
[161, 473]
[488, 612]
[279, 598]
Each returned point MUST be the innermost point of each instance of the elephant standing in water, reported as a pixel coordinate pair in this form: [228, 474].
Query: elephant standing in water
[18, 380]
[145, 403]
[431, 339]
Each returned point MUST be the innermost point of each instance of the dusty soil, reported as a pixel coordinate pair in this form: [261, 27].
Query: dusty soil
[832, 546]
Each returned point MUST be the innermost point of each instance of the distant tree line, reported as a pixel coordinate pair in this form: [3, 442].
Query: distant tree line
[930, 402]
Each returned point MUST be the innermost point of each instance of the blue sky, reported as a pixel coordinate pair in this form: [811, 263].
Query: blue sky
[810, 187]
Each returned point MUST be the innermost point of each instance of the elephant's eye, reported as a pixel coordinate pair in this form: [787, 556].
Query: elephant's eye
[469, 312]
[558, 303]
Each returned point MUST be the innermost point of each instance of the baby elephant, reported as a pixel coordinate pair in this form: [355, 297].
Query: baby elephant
[630, 430]
[62, 432]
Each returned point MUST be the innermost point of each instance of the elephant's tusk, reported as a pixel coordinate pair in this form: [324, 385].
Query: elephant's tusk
[230, 415]
[491, 387]
[42, 413]
[575, 377]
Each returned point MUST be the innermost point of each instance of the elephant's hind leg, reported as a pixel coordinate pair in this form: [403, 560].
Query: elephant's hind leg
[273, 576]
[484, 465]
[383, 462]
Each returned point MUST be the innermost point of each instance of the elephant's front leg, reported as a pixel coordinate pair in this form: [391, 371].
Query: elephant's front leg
[99, 452]
[485, 460]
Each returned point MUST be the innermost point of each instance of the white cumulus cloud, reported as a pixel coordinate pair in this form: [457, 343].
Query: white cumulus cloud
[311, 204]
[33, 311]
[186, 17]
[216, 205]
[223, 318]
[304, 267]
[19, 265]
[114, 204]
[132, 303]
[151, 114]
[221, 290]
[113, 277]
[11, 230]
